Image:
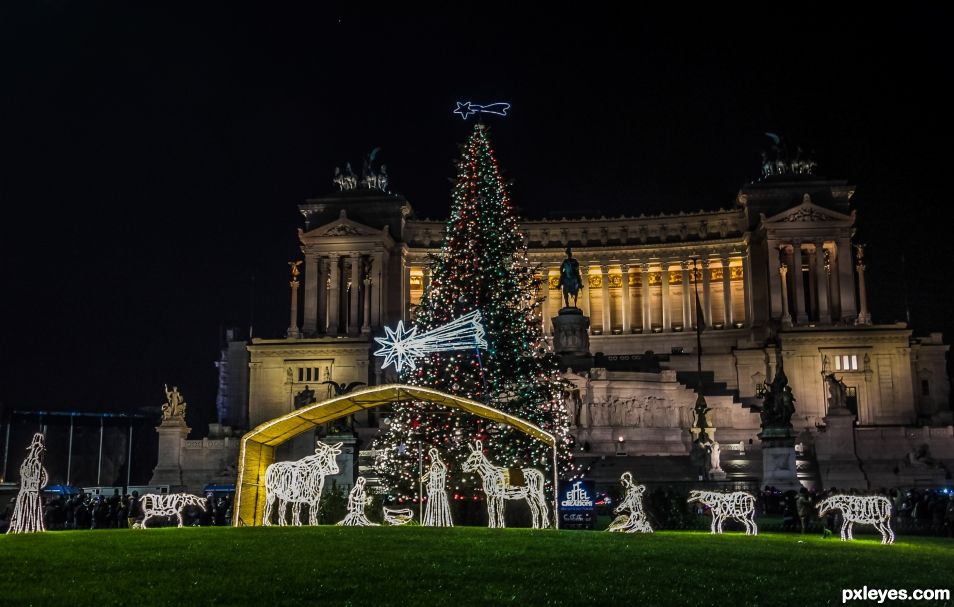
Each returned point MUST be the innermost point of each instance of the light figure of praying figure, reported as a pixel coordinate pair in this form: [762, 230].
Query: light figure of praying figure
[635, 521]
[357, 501]
[28, 512]
[437, 513]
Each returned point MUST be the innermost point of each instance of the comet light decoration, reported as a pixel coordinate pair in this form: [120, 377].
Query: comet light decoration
[868, 510]
[401, 348]
[466, 109]
[635, 521]
[170, 504]
[508, 484]
[357, 501]
[738, 505]
[27, 514]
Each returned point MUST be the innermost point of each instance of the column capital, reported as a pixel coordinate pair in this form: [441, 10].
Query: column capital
[604, 268]
[783, 268]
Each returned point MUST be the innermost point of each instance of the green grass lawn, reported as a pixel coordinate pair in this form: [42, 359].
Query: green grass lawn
[460, 566]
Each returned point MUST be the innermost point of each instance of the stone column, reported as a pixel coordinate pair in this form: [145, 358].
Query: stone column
[625, 311]
[707, 292]
[864, 318]
[821, 276]
[775, 288]
[585, 271]
[686, 297]
[811, 309]
[377, 295]
[310, 323]
[293, 331]
[846, 279]
[355, 289]
[727, 292]
[366, 325]
[647, 311]
[545, 303]
[406, 289]
[798, 287]
[783, 274]
[322, 295]
[664, 289]
[747, 287]
[607, 321]
[334, 294]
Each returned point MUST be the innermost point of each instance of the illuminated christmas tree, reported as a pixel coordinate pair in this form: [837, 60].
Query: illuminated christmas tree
[482, 265]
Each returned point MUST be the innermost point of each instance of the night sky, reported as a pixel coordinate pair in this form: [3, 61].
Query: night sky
[153, 158]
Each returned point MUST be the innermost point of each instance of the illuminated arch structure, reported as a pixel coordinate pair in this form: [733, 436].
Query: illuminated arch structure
[258, 447]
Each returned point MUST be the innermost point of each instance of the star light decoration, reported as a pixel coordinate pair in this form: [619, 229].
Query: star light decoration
[400, 348]
[872, 510]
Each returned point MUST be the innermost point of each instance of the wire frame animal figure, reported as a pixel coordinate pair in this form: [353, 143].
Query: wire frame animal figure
[398, 516]
[872, 510]
[738, 505]
[154, 504]
[635, 521]
[27, 514]
[498, 487]
[299, 482]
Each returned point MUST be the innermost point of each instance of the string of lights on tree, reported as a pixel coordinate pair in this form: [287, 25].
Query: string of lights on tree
[482, 266]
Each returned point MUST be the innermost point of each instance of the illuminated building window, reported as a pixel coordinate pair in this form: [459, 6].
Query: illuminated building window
[846, 362]
[308, 374]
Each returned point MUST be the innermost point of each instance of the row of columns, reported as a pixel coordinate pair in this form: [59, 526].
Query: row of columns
[330, 293]
[665, 299]
[829, 294]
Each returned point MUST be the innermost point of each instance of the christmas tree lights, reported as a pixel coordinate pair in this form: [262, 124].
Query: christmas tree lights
[872, 510]
[483, 268]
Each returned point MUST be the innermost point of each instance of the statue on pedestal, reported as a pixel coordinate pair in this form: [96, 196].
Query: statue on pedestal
[175, 406]
[837, 395]
[305, 397]
[571, 281]
[778, 404]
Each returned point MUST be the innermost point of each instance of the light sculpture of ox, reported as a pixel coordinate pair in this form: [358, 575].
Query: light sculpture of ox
[299, 482]
[154, 504]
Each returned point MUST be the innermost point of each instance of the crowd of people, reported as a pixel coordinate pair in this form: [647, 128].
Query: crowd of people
[85, 511]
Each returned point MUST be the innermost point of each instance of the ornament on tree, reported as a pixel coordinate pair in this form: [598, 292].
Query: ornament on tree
[635, 521]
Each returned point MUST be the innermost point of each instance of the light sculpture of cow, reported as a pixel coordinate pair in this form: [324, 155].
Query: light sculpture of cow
[169, 504]
[299, 482]
[499, 485]
[738, 505]
[872, 510]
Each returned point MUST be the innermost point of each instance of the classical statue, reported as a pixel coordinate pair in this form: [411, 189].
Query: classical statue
[175, 405]
[295, 271]
[778, 404]
[837, 393]
[305, 397]
[571, 282]
[715, 452]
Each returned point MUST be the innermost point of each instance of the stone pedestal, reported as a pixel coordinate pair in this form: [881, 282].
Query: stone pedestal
[571, 332]
[168, 470]
[347, 460]
[778, 459]
[838, 465]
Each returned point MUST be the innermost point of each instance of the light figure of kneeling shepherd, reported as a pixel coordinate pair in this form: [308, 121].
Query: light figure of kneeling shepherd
[508, 484]
[357, 501]
[154, 504]
[437, 513]
[299, 482]
[28, 512]
[868, 510]
[738, 505]
[635, 521]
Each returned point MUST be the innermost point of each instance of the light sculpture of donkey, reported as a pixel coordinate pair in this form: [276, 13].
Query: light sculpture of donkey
[872, 510]
[498, 487]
